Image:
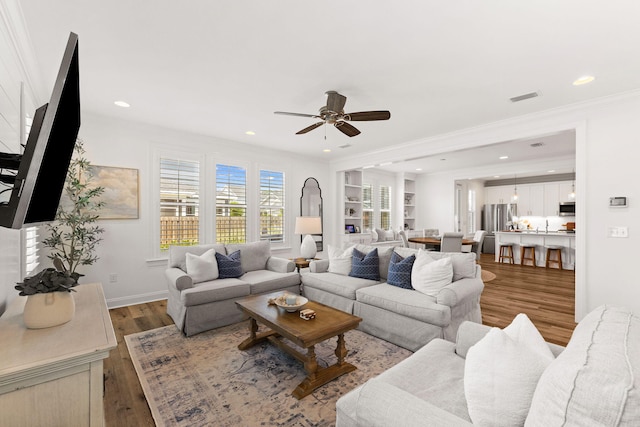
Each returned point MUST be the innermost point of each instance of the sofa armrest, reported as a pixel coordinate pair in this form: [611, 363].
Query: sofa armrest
[178, 279]
[469, 333]
[460, 291]
[382, 404]
[319, 266]
[280, 265]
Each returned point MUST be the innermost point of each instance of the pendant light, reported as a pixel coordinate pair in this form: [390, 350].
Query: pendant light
[572, 195]
[515, 188]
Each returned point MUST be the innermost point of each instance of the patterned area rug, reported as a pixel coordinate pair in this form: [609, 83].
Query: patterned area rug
[205, 380]
[487, 276]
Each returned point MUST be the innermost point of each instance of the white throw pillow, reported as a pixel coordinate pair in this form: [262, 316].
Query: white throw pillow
[202, 268]
[428, 275]
[501, 373]
[340, 260]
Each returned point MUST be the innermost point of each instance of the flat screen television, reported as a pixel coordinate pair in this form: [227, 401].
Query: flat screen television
[36, 177]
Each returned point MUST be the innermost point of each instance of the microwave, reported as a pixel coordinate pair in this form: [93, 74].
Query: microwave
[567, 209]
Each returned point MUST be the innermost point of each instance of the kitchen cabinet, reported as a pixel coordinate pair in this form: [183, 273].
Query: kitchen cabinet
[564, 188]
[499, 194]
[551, 199]
[531, 200]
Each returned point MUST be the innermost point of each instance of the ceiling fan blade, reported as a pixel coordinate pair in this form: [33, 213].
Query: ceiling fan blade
[309, 128]
[368, 116]
[284, 113]
[335, 101]
[346, 128]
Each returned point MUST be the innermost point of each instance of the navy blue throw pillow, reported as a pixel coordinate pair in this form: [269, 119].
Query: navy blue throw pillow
[229, 266]
[365, 266]
[400, 271]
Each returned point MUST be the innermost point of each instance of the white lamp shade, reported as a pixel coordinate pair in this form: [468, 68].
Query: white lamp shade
[308, 225]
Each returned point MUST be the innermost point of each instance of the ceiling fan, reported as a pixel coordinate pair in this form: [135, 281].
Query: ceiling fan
[333, 114]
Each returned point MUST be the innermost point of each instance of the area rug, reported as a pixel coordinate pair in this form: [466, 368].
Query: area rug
[205, 380]
[487, 276]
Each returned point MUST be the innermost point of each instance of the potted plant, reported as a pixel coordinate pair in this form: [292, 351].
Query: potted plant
[73, 238]
[49, 300]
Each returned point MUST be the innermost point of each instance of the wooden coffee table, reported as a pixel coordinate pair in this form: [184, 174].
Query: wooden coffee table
[328, 323]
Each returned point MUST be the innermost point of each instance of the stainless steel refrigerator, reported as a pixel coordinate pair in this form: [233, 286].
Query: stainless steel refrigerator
[495, 218]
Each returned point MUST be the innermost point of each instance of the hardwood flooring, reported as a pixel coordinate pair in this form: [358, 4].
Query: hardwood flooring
[545, 295]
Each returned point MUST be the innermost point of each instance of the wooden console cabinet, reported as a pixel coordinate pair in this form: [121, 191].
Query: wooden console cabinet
[54, 376]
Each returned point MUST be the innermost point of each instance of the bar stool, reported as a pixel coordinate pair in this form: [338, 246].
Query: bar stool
[532, 254]
[557, 250]
[506, 252]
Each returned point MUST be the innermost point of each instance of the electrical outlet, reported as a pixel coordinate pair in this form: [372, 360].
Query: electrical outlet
[619, 232]
[113, 278]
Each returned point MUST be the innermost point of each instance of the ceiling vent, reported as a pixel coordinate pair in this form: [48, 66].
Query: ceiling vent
[525, 96]
[537, 144]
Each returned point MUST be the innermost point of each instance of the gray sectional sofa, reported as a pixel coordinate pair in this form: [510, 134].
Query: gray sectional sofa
[405, 317]
[198, 307]
[594, 381]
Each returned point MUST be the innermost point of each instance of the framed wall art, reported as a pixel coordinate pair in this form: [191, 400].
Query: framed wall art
[120, 191]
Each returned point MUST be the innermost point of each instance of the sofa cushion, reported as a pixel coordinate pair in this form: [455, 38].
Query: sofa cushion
[337, 284]
[365, 266]
[501, 373]
[429, 276]
[382, 235]
[340, 260]
[405, 302]
[595, 380]
[216, 290]
[177, 254]
[464, 264]
[229, 266]
[202, 268]
[254, 255]
[262, 281]
[400, 271]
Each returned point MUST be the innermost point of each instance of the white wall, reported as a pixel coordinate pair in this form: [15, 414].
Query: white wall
[127, 248]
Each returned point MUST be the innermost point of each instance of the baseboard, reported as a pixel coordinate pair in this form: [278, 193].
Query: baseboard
[136, 299]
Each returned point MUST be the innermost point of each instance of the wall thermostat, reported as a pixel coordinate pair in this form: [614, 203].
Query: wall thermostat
[617, 202]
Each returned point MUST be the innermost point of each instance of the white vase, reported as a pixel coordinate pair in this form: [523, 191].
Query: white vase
[49, 309]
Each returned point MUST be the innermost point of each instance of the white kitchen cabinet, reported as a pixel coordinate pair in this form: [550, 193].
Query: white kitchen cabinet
[564, 188]
[531, 200]
[551, 196]
[499, 194]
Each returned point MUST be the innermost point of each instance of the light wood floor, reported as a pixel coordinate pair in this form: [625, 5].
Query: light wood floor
[545, 295]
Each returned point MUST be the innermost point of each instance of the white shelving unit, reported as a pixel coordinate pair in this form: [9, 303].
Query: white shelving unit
[409, 204]
[353, 200]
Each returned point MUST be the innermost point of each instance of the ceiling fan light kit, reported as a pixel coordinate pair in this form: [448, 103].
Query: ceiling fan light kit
[333, 114]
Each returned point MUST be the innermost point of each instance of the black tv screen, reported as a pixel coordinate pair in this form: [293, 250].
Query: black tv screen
[36, 177]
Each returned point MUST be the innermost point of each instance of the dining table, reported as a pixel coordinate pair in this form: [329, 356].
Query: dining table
[434, 242]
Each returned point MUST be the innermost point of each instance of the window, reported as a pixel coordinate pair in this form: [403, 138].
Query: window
[471, 212]
[272, 206]
[179, 203]
[31, 250]
[367, 207]
[385, 207]
[231, 204]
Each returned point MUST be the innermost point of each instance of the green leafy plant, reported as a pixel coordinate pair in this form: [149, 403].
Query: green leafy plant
[48, 280]
[74, 235]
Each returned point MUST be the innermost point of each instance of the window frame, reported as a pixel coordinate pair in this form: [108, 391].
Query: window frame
[285, 238]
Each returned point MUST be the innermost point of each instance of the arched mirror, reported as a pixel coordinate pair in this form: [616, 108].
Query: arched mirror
[311, 205]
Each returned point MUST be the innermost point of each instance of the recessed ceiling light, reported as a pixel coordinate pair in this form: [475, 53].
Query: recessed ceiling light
[326, 150]
[418, 169]
[503, 157]
[250, 132]
[551, 171]
[385, 163]
[368, 166]
[583, 80]
[496, 176]
[122, 104]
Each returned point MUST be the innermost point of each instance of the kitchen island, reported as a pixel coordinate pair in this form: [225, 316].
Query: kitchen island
[540, 239]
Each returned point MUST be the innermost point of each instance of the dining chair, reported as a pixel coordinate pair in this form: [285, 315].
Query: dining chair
[451, 242]
[478, 238]
[430, 232]
[405, 241]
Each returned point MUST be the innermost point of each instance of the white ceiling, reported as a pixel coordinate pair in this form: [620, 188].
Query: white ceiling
[222, 68]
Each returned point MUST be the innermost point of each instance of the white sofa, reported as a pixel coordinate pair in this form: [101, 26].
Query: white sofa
[405, 317]
[211, 304]
[595, 381]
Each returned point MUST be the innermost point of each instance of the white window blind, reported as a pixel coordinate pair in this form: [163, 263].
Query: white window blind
[179, 203]
[471, 213]
[367, 207]
[231, 204]
[272, 203]
[385, 207]
[31, 250]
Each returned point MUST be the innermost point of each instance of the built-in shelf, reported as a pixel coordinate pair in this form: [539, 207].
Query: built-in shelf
[409, 204]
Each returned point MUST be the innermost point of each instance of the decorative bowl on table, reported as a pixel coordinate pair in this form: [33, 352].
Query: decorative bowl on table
[285, 301]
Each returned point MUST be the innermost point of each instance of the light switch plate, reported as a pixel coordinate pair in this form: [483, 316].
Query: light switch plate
[618, 232]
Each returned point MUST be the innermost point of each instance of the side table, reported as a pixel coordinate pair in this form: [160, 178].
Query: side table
[302, 262]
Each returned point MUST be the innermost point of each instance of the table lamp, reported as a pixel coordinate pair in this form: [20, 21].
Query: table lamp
[308, 225]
